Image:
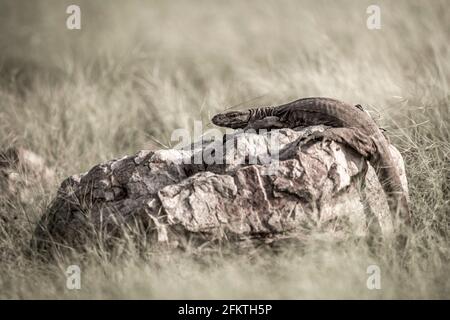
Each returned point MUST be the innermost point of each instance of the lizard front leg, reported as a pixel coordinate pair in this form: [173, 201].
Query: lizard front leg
[271, 122]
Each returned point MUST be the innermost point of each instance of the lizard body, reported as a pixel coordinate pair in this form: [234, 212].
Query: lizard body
[351, 125]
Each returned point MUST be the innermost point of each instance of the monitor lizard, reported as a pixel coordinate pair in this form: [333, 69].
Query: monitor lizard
[350, 124]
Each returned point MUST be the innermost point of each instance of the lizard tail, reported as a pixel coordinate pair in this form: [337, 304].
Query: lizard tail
[396, 196]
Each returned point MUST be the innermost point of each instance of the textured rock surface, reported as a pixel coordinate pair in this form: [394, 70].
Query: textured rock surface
[315, 189]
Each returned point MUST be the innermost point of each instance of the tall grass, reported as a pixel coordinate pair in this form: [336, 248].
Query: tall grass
[139, 69]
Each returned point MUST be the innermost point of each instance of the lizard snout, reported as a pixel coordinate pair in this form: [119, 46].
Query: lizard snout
[233, 119]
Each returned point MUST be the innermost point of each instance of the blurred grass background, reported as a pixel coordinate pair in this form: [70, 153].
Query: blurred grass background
[137, 70]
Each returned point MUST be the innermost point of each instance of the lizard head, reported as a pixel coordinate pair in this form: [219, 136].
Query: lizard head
[232, 119]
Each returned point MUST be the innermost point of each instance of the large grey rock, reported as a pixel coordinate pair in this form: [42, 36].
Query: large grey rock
[314, 190]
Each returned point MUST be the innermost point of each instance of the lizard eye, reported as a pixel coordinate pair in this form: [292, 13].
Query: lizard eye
[241, 116]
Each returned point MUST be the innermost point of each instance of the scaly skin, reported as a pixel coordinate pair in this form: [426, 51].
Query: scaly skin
[337, 114]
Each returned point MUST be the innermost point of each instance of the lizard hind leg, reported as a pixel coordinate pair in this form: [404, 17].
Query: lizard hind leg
[351, 137]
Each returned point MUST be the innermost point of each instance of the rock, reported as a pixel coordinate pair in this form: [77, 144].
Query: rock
[21, 172]
[24, 180]
[244, 196]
